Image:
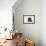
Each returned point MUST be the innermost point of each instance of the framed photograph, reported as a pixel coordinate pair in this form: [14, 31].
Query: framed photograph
[28, 19]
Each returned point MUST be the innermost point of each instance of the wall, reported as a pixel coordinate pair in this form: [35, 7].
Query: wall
[30, 31]
[6, 13]
[43, 22]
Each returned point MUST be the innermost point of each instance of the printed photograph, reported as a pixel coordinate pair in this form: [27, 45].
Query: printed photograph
[29, 19]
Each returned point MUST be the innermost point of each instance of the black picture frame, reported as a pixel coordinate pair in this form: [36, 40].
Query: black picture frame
[28, 19]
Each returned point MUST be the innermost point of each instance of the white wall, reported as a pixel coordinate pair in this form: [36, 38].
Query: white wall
[43, 22]
[31, 31]
[36, 31]
[6, 13]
